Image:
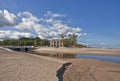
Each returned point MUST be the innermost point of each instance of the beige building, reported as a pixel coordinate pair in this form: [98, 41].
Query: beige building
[56, 43]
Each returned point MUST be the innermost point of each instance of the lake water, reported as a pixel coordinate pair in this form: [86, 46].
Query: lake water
[105, 58]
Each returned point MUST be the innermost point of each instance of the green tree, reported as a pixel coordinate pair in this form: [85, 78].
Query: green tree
[62, 35]
[45, 42]
[37, 41]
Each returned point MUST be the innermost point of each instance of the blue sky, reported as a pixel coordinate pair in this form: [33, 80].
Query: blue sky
[100, 19]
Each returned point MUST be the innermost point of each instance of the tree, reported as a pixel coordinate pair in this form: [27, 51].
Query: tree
[72, 39]
[45, 42]
[37, 41]
[62, 35]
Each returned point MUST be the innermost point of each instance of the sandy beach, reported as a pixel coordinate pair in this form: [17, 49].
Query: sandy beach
[91, 51]
[18, 66]
[88, 69]
[92, 70]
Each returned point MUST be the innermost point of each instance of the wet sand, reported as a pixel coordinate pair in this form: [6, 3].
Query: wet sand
[92, 70]
[90, 51]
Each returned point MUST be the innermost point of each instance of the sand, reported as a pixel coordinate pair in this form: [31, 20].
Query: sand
[92, 70]
[88, 69]
[91, 51]
[18, 66]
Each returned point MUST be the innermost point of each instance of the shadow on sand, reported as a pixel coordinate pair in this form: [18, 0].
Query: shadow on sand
[61, 71]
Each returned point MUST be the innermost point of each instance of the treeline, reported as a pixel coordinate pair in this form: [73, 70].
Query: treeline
[26, 42]
[70, 40]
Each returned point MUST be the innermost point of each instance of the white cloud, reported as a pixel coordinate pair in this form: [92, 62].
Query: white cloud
[51, 28]
[28, 16]
[8, 34]
[58, 26]
[30, 23]
[7, 18]
[53, 15]
[48, 26]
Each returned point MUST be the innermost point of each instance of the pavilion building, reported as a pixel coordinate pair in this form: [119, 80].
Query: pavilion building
[56, 43]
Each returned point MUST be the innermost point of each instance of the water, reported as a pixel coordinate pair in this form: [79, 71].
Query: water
[105, 58]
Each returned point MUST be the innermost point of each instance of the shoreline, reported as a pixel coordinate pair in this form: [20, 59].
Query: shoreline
[25, 66]
[88, 51]
[20, 66]
[85, 69]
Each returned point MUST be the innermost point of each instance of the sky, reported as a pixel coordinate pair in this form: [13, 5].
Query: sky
[96, 22]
